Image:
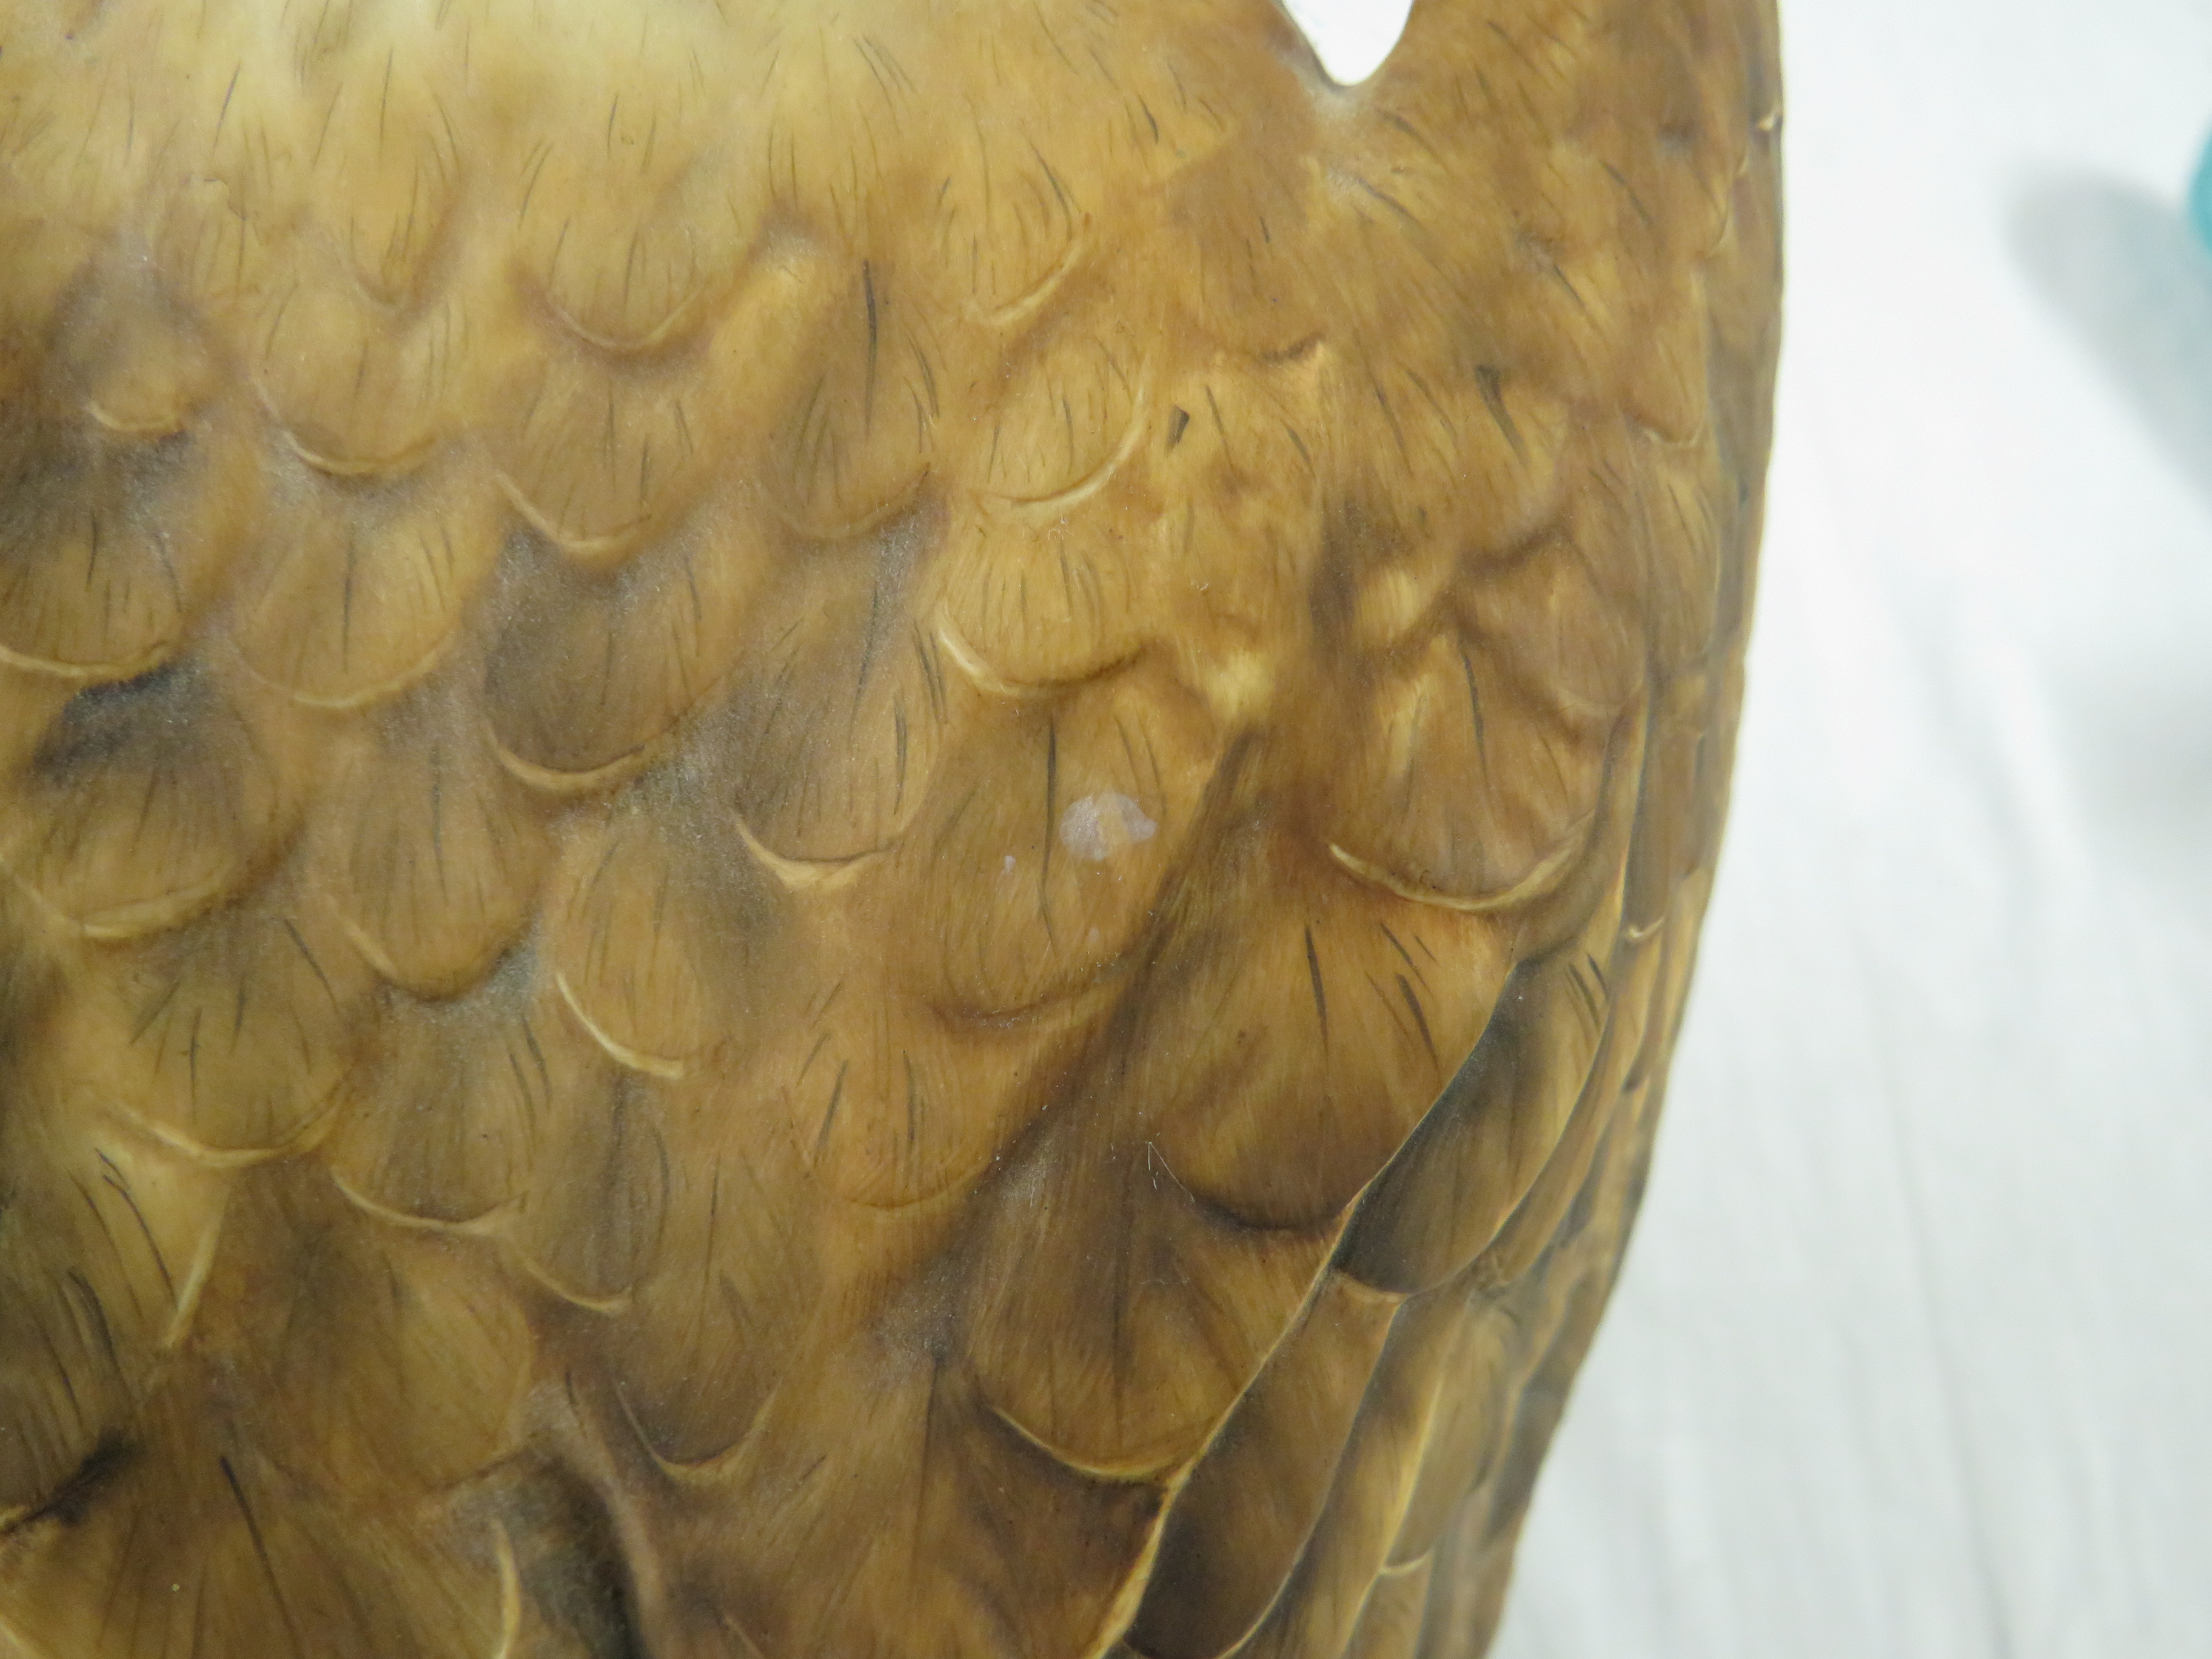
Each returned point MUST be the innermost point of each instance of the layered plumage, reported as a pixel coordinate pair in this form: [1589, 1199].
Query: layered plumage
[862, 830]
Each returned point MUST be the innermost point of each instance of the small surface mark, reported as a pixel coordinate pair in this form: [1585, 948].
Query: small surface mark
[1098, 826]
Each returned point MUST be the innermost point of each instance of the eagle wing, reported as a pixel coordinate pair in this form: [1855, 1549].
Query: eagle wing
[844, 828]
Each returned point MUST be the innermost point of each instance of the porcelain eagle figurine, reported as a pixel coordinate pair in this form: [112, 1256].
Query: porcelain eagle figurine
[843, 828]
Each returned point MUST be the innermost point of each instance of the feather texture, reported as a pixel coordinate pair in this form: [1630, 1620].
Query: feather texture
[863, 829]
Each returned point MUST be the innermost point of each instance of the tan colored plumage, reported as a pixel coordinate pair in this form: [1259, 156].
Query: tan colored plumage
[843, 830]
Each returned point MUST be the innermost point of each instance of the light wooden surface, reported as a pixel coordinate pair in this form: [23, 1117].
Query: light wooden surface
[1908, 1355]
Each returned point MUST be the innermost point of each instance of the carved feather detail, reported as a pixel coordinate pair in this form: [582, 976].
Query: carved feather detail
[845, 829]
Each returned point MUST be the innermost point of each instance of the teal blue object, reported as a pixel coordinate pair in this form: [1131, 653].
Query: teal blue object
[2200, 199]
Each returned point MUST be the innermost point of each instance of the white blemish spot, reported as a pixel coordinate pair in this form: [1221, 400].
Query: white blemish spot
[1098, 826]
[1009, 863]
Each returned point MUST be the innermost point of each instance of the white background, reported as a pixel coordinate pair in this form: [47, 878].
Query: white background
[1913, 1354]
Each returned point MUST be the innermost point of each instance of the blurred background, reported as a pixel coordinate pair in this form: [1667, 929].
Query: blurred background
[1913, 1353]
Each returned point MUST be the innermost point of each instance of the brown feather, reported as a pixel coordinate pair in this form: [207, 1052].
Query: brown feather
[867, 830]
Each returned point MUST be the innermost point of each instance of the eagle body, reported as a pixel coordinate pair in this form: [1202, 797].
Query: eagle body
[843, 829]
